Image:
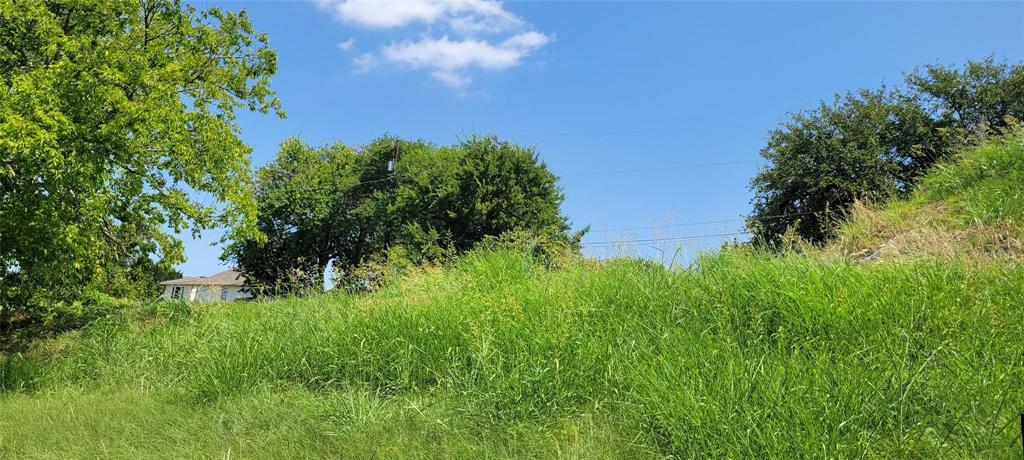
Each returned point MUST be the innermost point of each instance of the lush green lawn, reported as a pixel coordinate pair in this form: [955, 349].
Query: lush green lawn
[747, 355]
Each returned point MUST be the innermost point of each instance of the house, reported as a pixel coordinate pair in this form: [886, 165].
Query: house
[224, 286]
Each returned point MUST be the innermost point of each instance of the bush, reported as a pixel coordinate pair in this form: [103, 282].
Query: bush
[57, 317]
[550, 249]
[379, 270]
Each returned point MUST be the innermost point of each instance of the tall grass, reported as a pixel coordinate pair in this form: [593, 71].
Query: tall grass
[971, 206]
[746, 355]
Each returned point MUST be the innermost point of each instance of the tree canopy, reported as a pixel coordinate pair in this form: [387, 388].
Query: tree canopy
[117, 125]
[333, 203]
[979, 99]
[873, 145]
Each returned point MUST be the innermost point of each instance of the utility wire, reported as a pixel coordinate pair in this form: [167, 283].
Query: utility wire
[595, 173]
[649, 240]
[463, 136]
[665, 168]
[687, 237]
[661, 240]
[707, 222]
[643, 131]
[331, 186]
[392, 177]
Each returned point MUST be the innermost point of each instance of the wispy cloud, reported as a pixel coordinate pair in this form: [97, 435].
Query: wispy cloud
[365, 62]
[451, 60]
[477, 15]
[347, 44]
[477, 35]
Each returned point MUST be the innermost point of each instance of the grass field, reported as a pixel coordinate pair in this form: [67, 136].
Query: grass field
[808, 354]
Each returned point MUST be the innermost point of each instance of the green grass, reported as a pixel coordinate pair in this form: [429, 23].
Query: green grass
[746, 355]
[283, 423]
[985, 184]
[971, 206]
[749, 355]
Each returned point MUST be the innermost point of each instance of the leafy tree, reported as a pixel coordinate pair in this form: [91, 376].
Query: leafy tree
[868, 145]
[335, 204]
[874, 144]
[114, 115]
[311, 203]
[979, 98]
[478, 188]
[133, 278]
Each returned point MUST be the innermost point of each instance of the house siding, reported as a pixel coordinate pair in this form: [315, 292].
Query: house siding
[201, 294]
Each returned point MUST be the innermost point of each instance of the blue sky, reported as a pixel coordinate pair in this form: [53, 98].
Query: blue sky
[600, 88]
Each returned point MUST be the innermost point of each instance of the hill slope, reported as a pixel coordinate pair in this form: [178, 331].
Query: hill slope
[972, 206]
[747, 355]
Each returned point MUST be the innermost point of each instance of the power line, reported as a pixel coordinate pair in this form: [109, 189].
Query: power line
[644, 131]
[460, 137]
[689, 237]
[662, 240]
[332, 186]
[657, 227]
[393, 177]
[707, 222]
[666, 168]
[595, 173]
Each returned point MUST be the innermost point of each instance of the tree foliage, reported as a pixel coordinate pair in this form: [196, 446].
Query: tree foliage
[114, 116]
[979, 99]
[873, 145]
[332, 203]
[864, 146]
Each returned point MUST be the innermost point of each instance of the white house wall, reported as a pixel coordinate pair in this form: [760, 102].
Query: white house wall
[201, 294]
[235, 293]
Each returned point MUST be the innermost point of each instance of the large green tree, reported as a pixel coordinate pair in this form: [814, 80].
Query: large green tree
[312, 209]
[873, 144]
[863, 146]
[117, 124]
[334, 204]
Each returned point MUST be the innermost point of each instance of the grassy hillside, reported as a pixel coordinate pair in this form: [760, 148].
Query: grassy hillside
[970, 207]
[747, 355]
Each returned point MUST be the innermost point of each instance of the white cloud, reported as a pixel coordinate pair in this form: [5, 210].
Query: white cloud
[453, 79]
[494, 19]
[469, 15]
[527, 41]
[383, 13]
[365, 62]
[347, 44]
[486, 35]
[451, 55]
[450, 60]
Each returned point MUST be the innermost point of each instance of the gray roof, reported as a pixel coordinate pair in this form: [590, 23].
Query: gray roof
[224, 278]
